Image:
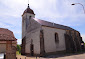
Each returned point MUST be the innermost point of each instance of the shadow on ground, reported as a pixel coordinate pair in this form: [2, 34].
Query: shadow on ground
[62, 55]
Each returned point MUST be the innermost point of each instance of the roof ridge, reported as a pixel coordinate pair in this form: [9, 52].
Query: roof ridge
[50, 24]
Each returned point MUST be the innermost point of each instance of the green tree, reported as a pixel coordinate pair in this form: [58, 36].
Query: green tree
[19, 48]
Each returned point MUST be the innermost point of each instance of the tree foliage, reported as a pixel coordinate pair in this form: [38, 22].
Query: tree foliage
[19, 48]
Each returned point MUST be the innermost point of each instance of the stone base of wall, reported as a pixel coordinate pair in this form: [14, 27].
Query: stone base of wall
[55, 53]
[47, 54]
[28, 54]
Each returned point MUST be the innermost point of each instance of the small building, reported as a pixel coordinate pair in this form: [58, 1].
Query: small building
[40, 37]
[8, 43]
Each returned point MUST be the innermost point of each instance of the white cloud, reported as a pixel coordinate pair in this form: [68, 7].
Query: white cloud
[57, 10]
[43, 8]
[19, 41]
[83, 36]
[2, 25]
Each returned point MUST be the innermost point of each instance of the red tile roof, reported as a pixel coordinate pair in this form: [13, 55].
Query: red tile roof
[6, 35]
[49, 24]
[28, 10]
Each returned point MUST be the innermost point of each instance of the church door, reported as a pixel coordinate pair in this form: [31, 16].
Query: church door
[32, 49]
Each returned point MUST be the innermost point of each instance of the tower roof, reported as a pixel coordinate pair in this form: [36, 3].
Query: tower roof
[28, 10]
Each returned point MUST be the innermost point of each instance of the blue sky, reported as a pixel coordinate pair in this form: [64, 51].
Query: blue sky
[57, 11]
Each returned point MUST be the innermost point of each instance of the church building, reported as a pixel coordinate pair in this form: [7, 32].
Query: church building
[41, 37]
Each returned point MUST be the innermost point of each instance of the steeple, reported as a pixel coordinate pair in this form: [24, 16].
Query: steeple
[28, 10]
[28, 5]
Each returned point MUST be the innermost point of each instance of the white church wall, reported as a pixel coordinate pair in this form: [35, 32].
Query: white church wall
[35, 36]
[24, 17]
[49, 39]
[23, 26]
[31, 32]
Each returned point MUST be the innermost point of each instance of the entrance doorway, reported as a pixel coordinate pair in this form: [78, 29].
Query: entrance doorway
[32, 49]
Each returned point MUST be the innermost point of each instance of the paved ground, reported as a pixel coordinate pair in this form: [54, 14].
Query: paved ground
[75, 56]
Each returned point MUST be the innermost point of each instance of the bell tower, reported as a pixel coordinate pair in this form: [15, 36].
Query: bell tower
[27, 15]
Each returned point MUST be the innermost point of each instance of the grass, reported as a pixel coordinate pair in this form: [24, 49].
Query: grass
[17, 53]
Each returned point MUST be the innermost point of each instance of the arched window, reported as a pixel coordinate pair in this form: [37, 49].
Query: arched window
[29, 17]
[56, 38]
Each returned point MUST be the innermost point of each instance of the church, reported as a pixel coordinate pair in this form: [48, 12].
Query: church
[41, 37]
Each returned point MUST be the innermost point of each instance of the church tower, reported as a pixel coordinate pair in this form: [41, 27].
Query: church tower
[26, 17]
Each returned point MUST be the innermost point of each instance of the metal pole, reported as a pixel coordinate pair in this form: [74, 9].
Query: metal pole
[81, 5]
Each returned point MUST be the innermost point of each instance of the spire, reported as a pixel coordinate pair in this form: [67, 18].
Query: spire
[28, 10]
[28, 5]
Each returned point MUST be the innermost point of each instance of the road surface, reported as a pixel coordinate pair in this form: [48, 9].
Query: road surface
[75, 56]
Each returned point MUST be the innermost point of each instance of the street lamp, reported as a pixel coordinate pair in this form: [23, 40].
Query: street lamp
[80, 4]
